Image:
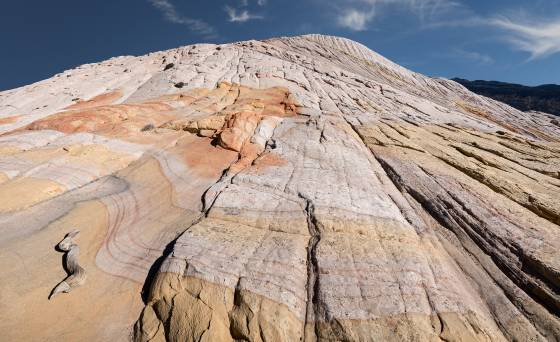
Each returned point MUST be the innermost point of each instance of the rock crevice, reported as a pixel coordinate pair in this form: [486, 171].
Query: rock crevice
[297, 188]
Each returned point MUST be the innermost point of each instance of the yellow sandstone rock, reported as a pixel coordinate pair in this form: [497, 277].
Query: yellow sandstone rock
[292, 189]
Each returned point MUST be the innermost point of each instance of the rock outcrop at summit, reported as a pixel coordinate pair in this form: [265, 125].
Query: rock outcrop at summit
[290, 189]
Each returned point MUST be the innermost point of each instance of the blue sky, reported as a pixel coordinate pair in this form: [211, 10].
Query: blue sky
[513, 41]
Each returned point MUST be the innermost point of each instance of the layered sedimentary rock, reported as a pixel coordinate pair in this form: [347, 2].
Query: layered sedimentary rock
[291, 189]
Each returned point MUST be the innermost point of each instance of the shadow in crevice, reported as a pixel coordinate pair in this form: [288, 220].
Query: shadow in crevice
[65, 267]
[64, 259]
[153, 271]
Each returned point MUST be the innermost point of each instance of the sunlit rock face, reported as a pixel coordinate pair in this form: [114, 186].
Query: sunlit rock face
[290, 189]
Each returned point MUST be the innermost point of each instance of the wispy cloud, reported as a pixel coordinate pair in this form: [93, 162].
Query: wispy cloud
[358, 14]
[473, 56]
[427, 9]
[245, 3]
[355, 20]
[240, 16]
[171, 14]
[537, 37]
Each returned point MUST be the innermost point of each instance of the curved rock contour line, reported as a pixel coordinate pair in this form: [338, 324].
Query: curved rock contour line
[300, 188]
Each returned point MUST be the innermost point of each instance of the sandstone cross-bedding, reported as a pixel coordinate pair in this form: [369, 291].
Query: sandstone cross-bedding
[290, 189]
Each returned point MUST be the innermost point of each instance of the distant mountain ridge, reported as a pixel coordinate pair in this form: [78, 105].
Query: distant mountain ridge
[543, 98]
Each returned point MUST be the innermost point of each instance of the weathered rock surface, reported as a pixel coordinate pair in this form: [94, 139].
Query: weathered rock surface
[291, 189]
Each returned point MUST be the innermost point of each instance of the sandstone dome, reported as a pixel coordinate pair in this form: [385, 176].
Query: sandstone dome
[292, 189]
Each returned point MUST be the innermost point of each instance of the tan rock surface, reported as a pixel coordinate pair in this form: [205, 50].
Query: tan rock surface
[293, 189]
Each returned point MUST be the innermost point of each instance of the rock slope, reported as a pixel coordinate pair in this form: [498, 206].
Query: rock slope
[291, 189]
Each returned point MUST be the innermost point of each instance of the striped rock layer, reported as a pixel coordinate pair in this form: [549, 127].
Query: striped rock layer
[291, 189]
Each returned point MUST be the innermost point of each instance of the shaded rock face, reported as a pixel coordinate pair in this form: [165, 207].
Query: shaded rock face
[292, 189]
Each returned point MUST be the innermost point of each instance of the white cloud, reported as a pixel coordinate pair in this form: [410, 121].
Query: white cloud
[241, 16]
[171, 14]
[357, 14]
[355, 20]
[261, 2]
[539, 38]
